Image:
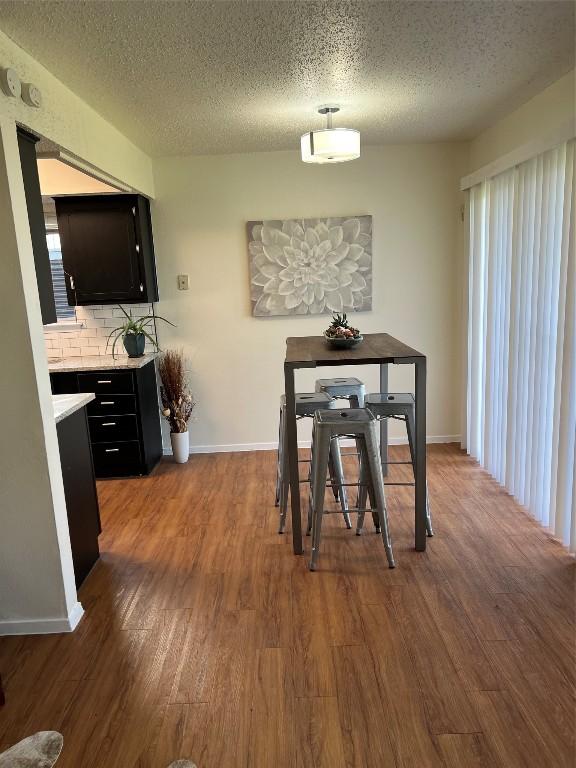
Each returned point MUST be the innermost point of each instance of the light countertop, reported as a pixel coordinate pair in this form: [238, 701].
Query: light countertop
[66, 405]
[98, 363]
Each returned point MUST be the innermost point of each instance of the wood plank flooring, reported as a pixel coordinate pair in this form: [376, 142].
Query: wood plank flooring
[204, 637]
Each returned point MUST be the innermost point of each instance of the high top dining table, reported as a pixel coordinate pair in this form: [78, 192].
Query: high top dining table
[376, 349]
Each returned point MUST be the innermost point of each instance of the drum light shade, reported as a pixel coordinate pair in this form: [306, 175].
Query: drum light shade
[330, 145]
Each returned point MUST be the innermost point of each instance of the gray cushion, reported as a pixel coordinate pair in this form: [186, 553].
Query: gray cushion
[38, 751]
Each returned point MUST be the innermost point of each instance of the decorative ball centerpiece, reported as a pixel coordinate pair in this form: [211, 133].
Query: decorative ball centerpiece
[340, 334]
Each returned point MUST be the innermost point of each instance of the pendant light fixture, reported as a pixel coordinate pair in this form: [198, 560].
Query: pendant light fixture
[330, 145]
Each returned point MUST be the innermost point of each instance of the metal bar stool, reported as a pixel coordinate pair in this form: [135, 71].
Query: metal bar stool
[399, 406]
[351, 389]
[360, 424]
[306, 406]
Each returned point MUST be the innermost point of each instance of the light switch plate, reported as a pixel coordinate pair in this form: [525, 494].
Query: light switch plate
[183, 282]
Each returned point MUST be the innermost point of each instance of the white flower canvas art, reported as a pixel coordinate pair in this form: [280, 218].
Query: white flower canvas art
[310, 266]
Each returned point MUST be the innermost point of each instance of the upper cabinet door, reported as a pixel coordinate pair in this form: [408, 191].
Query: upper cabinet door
[107, 249]
[27, 149]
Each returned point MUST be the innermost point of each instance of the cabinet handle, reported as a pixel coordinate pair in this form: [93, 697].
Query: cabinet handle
[107, 402]
[104, 381]
[72, 285]
[141, 288]
[109, 424]
[111, 450]
[137, 248]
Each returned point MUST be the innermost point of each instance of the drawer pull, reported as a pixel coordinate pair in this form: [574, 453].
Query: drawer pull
[107, 402]
[104, 381]
[109, 424]
[111, 450]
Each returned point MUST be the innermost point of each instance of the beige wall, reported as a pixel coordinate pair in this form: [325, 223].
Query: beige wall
[546, 115]
[37, 591]
[199, 216]
[68, 121]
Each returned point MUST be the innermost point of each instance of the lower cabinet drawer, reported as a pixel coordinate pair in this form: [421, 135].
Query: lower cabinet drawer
[108, 429]
[117, 459]
[105, 405]
[103, 382]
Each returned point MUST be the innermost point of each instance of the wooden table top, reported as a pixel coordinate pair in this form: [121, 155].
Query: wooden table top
[310, 351]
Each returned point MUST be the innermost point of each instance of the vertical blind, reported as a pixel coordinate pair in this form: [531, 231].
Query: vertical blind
[521, 376]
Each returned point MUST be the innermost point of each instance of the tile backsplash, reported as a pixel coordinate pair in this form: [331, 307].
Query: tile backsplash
[91, 339]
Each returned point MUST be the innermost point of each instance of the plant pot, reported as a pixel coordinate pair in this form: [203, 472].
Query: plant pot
[180, 446]
[341, 342]
[134, 344]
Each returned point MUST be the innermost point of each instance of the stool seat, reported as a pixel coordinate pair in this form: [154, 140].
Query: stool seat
[340, 418]
[339, 383]
[307, 403]
[392, 399]
[349, 388]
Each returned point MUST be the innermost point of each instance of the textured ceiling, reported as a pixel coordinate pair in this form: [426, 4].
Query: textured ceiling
[213, 77]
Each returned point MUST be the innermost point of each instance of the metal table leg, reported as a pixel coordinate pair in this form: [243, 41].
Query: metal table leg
[292, 449]
[384, 422]
[420, 440]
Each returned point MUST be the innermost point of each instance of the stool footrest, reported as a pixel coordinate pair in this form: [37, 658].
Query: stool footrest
[348, 509]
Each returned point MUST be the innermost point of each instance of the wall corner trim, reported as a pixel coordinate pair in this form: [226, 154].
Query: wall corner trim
[43, 626]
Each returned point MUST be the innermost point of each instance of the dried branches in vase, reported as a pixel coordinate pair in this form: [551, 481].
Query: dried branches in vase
[177, 402]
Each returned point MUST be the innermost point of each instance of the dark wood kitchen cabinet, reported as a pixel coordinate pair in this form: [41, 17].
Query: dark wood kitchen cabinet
[28, 163]
[107, 249]
[123, 420]
[80, 492]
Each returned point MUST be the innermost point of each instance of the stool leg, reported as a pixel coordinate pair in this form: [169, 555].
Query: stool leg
[358, 444]
[377, 484]
[338, 477]
[333, 472]
[411, 430]
[310, 488]
[365, 490]
[362, 489]
[285, 482]
[357, 401]
[372, 496]
[321, 451]
[279, 462]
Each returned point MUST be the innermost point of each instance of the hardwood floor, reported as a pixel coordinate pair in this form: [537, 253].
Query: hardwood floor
[204, 637]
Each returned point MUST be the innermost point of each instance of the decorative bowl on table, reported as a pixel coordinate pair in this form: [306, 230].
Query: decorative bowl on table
[341, 335]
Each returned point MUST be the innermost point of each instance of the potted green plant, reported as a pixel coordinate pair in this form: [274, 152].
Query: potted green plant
[177, 402]
[340, 334]
[134, 333]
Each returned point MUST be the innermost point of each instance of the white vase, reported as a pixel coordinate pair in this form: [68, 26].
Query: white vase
[180, 446]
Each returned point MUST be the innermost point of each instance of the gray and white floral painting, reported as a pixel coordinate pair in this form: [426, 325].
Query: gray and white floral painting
[310, 266]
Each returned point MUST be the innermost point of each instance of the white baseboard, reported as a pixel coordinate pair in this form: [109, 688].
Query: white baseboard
[43, 626]
[234, 447]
